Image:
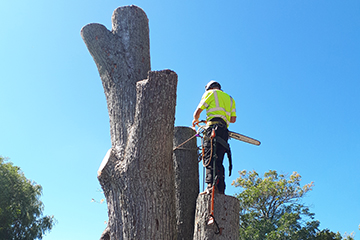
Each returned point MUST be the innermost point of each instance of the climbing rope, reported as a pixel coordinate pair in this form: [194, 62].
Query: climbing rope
[178, 147]
[198, 133]
[203, 151]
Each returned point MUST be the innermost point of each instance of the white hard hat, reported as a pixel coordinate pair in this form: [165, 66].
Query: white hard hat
[212, 84]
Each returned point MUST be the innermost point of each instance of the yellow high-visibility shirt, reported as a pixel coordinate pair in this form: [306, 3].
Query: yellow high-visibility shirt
[218, 104]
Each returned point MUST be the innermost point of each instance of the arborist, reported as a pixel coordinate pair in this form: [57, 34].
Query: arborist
[220, 112]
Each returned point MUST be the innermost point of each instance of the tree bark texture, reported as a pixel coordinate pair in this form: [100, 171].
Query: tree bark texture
[226, 213]
[137, 173]
[186, 180]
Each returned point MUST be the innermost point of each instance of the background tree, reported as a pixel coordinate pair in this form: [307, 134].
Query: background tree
[271, 208]
[20, 206]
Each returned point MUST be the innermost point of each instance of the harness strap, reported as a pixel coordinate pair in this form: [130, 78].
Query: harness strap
[228, 151]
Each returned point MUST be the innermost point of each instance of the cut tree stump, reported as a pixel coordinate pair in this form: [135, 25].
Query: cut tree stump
[226, 213]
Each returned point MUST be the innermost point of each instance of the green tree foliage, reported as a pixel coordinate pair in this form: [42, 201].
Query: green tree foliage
[20, 206]
[271, 209]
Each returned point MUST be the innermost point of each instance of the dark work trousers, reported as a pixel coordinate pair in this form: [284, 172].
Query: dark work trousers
[220, 131]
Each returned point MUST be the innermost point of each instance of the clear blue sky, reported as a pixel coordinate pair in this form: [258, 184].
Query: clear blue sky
[293, 68]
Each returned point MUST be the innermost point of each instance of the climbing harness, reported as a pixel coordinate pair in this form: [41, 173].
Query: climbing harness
[217, 139]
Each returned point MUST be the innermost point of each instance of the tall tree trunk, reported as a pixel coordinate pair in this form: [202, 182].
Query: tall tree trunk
[186, 180]
[137, 173]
